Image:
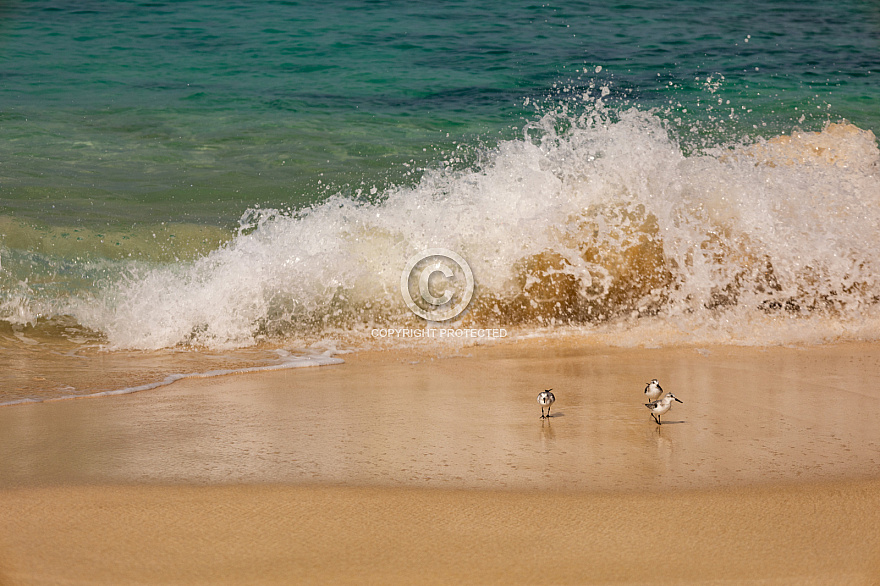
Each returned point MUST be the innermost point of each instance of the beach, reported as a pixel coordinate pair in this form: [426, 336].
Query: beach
[235, 235]
[433, 465]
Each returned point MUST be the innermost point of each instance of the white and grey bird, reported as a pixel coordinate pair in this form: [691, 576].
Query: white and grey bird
[653, 390]
[660, 407]
[546, 399]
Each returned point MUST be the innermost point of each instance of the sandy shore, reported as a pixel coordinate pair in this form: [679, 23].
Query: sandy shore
[816, 534]
[436, 468]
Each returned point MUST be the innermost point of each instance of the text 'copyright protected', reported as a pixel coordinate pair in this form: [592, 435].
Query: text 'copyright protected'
[489, 333]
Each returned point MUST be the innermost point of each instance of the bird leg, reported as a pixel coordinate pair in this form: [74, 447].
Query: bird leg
[542, 412]
[655, 418]
[548, 411]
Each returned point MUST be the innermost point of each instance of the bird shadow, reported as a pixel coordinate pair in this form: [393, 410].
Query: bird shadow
[560, 414]
[671, 423]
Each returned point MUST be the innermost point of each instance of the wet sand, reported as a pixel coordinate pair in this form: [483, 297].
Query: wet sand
[435, 467]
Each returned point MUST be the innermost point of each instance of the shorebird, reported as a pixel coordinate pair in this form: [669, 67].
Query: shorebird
[660, 407]
[653, 390]
[546, 399]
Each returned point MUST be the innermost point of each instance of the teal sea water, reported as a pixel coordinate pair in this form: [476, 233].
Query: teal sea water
[130, 112]
[209, 176]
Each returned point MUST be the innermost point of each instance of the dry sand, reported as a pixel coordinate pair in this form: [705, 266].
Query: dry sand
[823, 534]
[433, 468]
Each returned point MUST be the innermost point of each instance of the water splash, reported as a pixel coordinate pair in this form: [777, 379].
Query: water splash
[603, 222]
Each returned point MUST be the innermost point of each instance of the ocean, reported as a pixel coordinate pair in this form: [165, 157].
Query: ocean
[194, 187]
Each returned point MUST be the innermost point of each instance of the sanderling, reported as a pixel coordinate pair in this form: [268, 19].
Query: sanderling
[653, 390]
[660, 407]
[546, 399]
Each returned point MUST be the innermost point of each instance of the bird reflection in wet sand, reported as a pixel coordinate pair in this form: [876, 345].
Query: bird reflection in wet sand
[547, 431]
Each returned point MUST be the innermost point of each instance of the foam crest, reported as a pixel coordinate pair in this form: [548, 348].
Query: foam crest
[608, 222]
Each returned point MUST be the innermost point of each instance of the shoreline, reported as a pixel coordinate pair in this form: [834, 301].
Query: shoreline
[412, 467]
[467, 418]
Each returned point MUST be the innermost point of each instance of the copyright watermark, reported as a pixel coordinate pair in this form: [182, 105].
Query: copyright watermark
[437, 284]
[489, 333]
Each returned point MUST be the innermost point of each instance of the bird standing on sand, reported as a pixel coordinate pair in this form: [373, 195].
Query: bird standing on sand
[660, 407]
[653, 390]
[546, 399]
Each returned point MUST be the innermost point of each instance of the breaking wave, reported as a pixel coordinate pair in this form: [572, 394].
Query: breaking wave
[610, 227]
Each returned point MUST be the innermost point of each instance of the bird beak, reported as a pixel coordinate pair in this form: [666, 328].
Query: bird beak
[679, 400]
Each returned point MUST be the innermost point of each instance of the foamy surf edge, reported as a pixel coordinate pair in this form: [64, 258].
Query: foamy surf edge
[287, 362]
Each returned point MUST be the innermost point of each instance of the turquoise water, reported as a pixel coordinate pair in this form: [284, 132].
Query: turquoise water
[122, 112]
[219, 175]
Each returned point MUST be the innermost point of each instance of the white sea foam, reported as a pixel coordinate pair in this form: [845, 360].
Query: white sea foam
[286, 360]
[608, 228]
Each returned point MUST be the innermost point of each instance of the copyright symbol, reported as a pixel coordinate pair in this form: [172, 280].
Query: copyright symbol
[437, 284]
